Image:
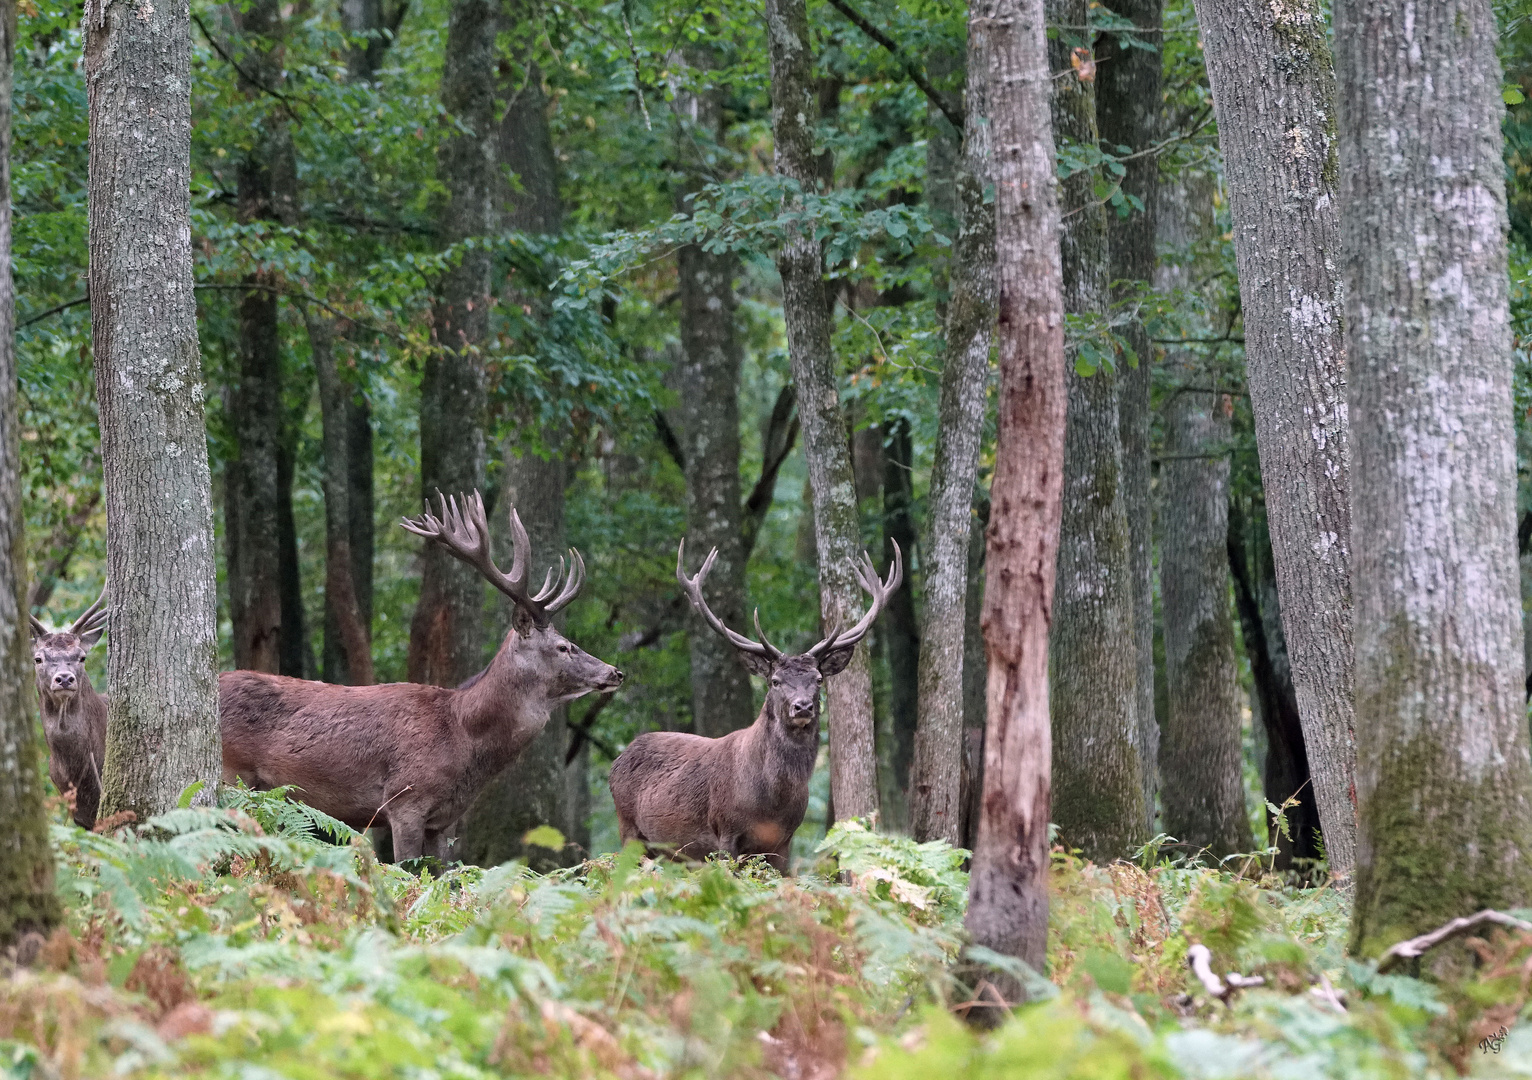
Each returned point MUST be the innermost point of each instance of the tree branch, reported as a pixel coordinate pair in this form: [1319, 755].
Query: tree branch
[581, 732]
[1417, 946]
[953, 114]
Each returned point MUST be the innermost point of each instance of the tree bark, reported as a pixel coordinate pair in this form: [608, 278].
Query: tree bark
[446, 644]
[1098, 787]
[975, 678]
[900, 632]
[1274, 99]
[28, 903]
[1127, 113]
[707, 375]
[936, 767]
[1443, 775]
[162, 732]
[348, 659]
[295, 653]
[806, 310]
[1008, 904]
[1203, 793]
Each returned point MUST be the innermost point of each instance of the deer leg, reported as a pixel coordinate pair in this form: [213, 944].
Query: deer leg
[409, 836]
[782, 858]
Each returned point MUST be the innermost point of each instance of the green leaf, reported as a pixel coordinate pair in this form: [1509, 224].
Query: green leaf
[1512, 95]
[544, 836]
[190, 792]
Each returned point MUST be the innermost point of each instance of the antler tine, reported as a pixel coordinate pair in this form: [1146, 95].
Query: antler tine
[867, 575]
[90, 616]
[771, 650]
[572, 584]
[550, 582]
[693, 588]
[463, 530]
[38, 626]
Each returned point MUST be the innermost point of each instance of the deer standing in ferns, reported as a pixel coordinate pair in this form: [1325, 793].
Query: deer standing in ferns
[74, 715]
[403, 755]
[744, 793]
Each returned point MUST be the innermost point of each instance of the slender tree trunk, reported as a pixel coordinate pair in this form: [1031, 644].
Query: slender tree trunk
[1098, 787]
[162, 734]
[936, 767]
[1443, 777]
[1285, 770]
[1008, 899]
[27, 900]
[351, 662]
[1274, 98]
[707, 375]
[806, 309]
[1127, 112]
[975, 679]
[295, 653]
[900, 631]
[1203, 793]
[446, 643]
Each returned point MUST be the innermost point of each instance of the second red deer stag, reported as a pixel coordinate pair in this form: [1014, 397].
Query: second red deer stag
[744, 793]
[403, 755]
[74, 715]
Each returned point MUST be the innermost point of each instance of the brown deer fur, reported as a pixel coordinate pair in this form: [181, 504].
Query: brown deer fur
[74, 715]
[404, 755]
[745, 793]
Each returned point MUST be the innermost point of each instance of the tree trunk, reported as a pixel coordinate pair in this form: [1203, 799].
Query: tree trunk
[936, 767]
[1285, 770]
[27, 900]
[162, 732]
[1274, 98]
[806, 310]
[975, 679]
[707, 375]
[446, 641]
[1203, 793]
[348, 657]
[1443, 776]
[294, 652]
[1127, 113]
[1008, 899]
[900, 631]
[1098, 787]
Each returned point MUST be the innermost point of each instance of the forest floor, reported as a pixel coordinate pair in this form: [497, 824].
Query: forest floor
[233, 943]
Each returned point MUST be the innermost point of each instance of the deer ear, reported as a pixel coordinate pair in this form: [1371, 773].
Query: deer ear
[90, 637]
[756, 664]
[834, 662]
[523, 622]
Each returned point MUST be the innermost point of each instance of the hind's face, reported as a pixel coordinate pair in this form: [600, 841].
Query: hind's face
[59, 662]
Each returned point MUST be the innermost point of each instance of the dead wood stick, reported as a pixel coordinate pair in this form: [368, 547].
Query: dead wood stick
[1418, 946]
[1200, 957]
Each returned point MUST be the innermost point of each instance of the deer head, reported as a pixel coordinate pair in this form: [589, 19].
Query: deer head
[792, 697]
[542, 652]
[58, 656]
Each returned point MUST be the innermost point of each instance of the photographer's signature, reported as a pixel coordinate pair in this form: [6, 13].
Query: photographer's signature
[1492, 1043]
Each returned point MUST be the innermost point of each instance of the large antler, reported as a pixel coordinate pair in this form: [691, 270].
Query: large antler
[91, 617]
[464, 531]
[693, 589]
[867, 574]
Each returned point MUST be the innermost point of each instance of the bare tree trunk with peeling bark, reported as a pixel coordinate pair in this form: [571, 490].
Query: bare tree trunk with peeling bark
[1274, 97]
[28, 904]
[936, 804]
[806, 310]
[162, 731]
[1444, 781]
[1008, 899]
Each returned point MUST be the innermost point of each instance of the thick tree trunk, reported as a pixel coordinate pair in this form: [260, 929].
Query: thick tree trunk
[27, 900]
[1203, 793]
[1008, 904]
[806, 310]
[446, 640]
[707, 375]
[1285, 770]
[1098, 787]
[1443, 776]
[348, 657]
[163, 732]
[900, 632]
[936, 772]
[1127, 112]
[1274, 98]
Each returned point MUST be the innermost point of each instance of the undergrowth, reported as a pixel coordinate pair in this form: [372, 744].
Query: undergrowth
[264, 940]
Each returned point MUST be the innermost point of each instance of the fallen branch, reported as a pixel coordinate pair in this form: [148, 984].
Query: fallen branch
[1326, 992]
[1201, 960]
[1417, 946]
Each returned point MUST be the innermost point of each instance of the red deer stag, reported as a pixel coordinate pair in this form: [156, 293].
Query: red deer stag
[74, 715]
[744, 793]
[403, 755]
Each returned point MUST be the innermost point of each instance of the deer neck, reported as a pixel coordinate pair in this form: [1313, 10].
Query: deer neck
[505, 707]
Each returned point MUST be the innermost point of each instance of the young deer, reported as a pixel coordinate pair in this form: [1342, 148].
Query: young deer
[74, 715]
[403, 755]
[744, 793]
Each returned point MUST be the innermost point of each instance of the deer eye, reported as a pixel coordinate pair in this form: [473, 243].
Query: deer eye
[37, 659]
[563, 648]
